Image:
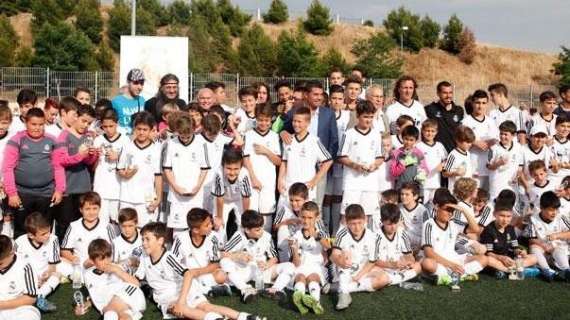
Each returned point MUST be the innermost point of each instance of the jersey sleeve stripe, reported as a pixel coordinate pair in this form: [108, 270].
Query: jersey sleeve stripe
[30, 281]
[449, 163]
[176, 247]
[175, 265]
[427, 235]
[66, 238]
[232, 243]
[326, 154]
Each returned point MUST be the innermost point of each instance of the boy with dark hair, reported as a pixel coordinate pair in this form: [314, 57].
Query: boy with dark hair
[26, 100]
[539, 173]
[413, 213]
[251, 252]
[561, 149]
[548, 234]
[353, 89]
[199, 251]
[564, 106]
[408, 163]
[83, 95]
[458, 162]
[18, 288]
[127, 247]
[435, 155]
[545, 118]
[336, 78]
[535, 150]
[245, 115]
[172, 284]
[505, 111]
[505, 161]
[67, 116]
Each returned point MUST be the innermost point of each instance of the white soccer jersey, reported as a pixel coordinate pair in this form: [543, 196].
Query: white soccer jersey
[413, 219]
[263, 167]
[363, 250]
[434, 154]
[78, 237]
[40, 256]
[16, 126]
[232, 191]
[564, 209]
[561, 152]
[342, 120]
[442, 240]
[485, 216]
[215, 152]
[539, 120]
[416, 110]
[538, 228]
[362, 148]
[530, 155]
[124, 248]
[147, 162]
[397, 142]
[53, 129]
[284, 212]
[246, 123]
[106, 180]
[536, 192]
[484, 129]
[261, 249]
[513, 114]
[302, 157]
[186, 161]
[395, 248]
[505, 176]
[310, 250]
[197, 255]
[378, 122]
[18, 279]
[455, 160]
[482, 218]
[104, 286]
[164, 276]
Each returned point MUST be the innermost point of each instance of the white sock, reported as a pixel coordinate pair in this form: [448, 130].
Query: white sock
[242, 316]
[315, 290]
[300, 286]
[110, 315]
[441, 271]
[365, 285]
[472, 267]
[400, 277]
[215, 316]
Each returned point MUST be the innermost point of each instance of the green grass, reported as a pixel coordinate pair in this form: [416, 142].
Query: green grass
[487, 298]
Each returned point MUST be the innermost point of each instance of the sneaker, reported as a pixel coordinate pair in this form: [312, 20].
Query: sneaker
[248, 295]
[298, 302]
[531, 272]
[548, 274]
[254, 317]
[330, 288]
[313, 304]
[501, 275]
[344, 301]
[222, 290]
[45, 305]
[469, 277]
[444, 280]
[276, 295]
[64, 280]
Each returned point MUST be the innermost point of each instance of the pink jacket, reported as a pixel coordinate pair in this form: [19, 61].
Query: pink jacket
[397, 167]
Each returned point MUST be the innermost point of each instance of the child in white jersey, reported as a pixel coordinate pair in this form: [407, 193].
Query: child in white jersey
[505, 161]
[127, 247]
[414, 214]
[435, 156]
[458, 162]
[561, 150]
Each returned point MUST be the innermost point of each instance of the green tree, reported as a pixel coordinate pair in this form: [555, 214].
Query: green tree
[562, 67]
[104, 57]
[202, 52]
[430, 32]
[146, 24]
[374, 56]
[179, 12]
[119, 23]
[318, 20]
[452, 34]
[277, 13]
[89, 19]
[66, 6]
[24, 57]
[156, 10]
[62, 47]
[256, 53]
[333, 58]
[8, 42]
[9, 8]
[296, 56]
[233, 17]
[368, 23]
[45, 11]
[395, 22]
[467, 46]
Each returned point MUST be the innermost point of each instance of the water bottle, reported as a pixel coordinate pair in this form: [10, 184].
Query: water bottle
[520, 267]
[76, 276]
[411, 286]
[455, 277]
[259, 284]
[79, 303]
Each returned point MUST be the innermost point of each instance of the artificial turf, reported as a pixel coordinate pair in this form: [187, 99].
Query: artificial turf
[485, 299]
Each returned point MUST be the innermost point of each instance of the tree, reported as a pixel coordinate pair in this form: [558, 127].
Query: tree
[179, 12]
[296, 56]
[562, 67]
[146, 23]
[24, 57]
[89, 19]
[430, 32]
[8, 42]
[202, 53]
[467, 46]
[104, 57]
[66, 6]
[233, 17]
[119, 23]
[331, 59]
[9, 8]
[452, 34]
[374, 57]
[277, 13]
[256, 53]
[395, 22]
[45, 11]
[156, 10]
[318, 19]
[62, 47]
[368, 23]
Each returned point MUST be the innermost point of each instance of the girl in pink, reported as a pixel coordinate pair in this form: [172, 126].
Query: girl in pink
[408, 163]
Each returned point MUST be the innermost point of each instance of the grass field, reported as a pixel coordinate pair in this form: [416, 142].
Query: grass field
[487, 298]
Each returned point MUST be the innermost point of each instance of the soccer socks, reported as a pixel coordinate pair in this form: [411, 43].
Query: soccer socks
[300, 286]
[472, 267]
[51, 283]
[215, 316]
[541, 259]
[365, 285]
[441, 270]
[235, 277]
[560, 257]
[315, 290]
[397, 278]
[285, 272]
[110, 315]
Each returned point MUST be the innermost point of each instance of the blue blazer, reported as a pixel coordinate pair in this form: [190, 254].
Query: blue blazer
[327, 129]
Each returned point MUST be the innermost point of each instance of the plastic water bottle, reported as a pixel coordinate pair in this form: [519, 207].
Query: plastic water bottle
[76, 276]
[455, 277]
[411, 286]
[520, 267]
[79, 302]
[259, 284]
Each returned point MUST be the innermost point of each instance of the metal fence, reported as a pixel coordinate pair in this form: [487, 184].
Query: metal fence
[49, 83]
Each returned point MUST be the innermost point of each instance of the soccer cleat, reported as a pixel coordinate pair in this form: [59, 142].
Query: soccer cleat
[222, 290]
[248, 295]
[469, 277]
[254, 317]
[531, 272]
[313, 304]
[548, 274]
[298, 302]
[45, 305]
[344, 301]
[444, 280]
[501, 275]
[276, 295]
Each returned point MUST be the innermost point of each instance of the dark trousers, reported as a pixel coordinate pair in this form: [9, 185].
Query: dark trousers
[66, 212]
[30, 203]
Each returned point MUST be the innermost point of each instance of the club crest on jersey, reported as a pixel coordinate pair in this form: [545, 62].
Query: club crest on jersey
[148, 159]
[438, 114]
[12, 285]
[47, 147]
[193, 156]
[455, 118]
[176, 155]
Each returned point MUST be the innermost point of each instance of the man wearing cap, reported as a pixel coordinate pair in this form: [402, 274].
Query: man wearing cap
[537, 150]
[130, 102]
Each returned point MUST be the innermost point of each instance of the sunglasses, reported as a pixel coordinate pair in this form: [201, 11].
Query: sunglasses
[138, 82]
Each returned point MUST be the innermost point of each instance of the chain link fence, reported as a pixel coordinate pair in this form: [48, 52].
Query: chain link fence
[49, 83]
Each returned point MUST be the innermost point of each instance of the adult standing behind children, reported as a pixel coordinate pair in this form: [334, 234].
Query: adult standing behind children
[130, 102]
[406, 103]
[169, 92]
[447, 114]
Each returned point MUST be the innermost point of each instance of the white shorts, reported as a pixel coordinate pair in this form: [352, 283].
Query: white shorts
[369, 200]
[143, 215]
[263, 201]
[134, 298]
[228, 207]
[23, 312]
[179, 211]
[195, 298]
[312, 268]
[109, 210]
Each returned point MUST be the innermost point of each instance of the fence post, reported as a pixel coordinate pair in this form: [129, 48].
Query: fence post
[2, 84]
[96, 86]
[531, 104]
[258, 14]
[191, 87]
[337, 18]
[47, 82]
[237, 89]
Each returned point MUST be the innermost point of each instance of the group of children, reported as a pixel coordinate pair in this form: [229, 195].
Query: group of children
[201, 201]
